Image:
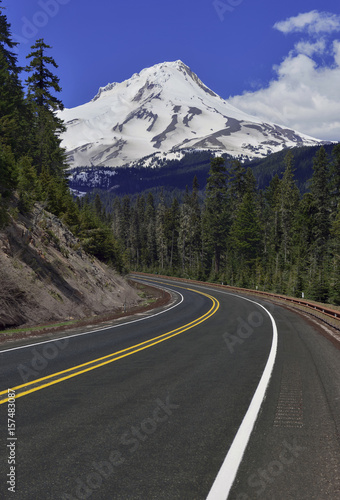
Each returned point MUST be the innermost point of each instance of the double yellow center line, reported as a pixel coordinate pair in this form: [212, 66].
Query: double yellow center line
[56, 378]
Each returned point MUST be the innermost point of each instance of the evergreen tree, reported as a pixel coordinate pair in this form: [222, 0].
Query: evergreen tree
[335, 180]
[246, 234]
[184, 237]
[42, 81]
[243, 244]
[320, 190]
[126, 213]
[273, 236]
[98, 206]
[6, 43]
[172, 233]
[14, 114]
[116, 217]
[249, 183]
[46, 150]
[161, 240]
[134, 238]
[71, 215]
[150, 217]
[8, 171]
[196, 230]
[53, 191]
[288, 202]
[142, 231]
[334, 290]
[236, 185]
[303, 228]
[27, 184]
[270, 219]
[215, 216]
[8, 180]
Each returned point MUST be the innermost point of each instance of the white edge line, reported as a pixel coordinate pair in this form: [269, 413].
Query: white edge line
[225, 478]
[99, 329]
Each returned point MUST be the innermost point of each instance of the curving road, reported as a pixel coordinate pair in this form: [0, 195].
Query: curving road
[151, 408]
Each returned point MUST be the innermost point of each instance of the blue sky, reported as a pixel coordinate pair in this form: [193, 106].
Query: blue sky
[237, 47]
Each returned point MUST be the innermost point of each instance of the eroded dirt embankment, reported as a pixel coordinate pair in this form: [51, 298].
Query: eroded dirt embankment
[45, 276]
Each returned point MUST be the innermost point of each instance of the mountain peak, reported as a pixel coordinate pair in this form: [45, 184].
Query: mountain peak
[159, 74]
[166, 109]
[157, 68]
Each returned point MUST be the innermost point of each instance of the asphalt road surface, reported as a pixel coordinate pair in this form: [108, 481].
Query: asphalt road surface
[163, 405]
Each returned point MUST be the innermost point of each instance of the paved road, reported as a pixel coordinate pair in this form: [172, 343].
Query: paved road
[156, 421]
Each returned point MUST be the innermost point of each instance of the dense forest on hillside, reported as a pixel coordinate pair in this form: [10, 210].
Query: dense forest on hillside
[272, 239]
[174, 175]
[279, 238]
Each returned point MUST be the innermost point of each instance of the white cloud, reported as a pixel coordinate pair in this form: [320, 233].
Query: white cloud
[309, 48]
[313, 23]
[304, 95]
[336, 50]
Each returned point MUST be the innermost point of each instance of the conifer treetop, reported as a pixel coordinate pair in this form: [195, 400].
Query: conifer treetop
[42, 81]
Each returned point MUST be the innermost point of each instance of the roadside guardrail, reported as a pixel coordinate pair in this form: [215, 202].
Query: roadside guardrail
[323, 312]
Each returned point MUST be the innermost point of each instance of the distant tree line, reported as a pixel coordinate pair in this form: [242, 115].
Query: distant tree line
[273, 239]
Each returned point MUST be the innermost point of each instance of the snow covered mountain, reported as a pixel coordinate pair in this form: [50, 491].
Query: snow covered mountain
[164, 111]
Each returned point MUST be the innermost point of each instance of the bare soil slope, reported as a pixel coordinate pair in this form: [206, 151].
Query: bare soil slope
[46, 276]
